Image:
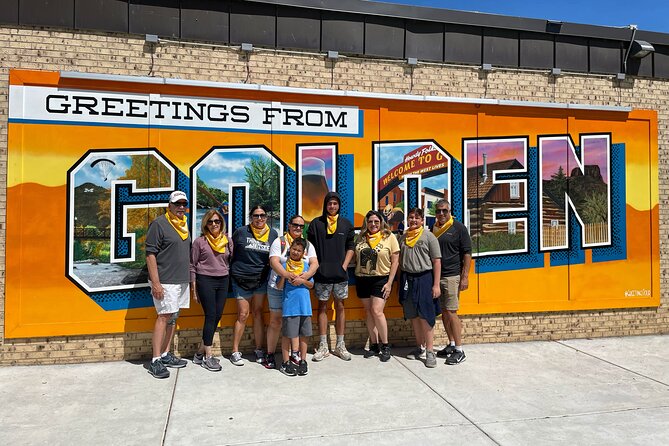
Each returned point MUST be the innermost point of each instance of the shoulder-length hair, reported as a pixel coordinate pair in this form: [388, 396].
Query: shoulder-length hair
[384, 229]
[204, 227]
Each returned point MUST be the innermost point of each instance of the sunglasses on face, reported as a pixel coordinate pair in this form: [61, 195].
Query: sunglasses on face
[181, 204]
[297, 225]
[259, 216]
[442, 211]
[214, 222]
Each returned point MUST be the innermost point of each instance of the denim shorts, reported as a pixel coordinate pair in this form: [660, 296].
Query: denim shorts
[241, 293]
[275, 298]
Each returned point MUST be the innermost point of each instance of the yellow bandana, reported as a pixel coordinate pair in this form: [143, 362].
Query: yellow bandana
[438, 230]
[261, 235]
[295, 266]
[412, 236]
[219, 243]
[179, 224]
[332, 223]
[289, 239]
[373, 239]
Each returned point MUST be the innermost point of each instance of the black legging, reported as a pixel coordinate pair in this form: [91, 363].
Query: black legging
[212, 291]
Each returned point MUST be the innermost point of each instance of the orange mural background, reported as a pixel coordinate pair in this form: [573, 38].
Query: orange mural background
[42, 301]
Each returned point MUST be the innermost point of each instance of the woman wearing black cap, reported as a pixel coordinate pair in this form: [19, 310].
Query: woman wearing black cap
[377, 252]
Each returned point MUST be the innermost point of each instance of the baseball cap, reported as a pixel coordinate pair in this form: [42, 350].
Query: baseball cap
[177, 195]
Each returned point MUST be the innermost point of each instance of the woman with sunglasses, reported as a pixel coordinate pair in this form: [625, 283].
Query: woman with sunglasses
[249, 270]
[278, 255]
[377, 252]
[209, 275]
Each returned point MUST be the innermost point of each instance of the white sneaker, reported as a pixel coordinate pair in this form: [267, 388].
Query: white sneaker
[236, 358]
[322, 352]
[340, 350]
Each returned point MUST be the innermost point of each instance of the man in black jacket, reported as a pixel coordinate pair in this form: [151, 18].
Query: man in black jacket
[332, 237]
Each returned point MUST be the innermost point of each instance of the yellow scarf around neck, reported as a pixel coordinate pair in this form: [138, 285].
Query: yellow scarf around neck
[332, 223]
[294, 266]
[374, 239]
[289, 239]
[412, 236]
[179, 224]
[438, 230]
[219, 243]
[261, 235]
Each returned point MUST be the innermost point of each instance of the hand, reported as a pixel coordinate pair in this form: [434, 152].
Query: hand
[193, 295]
[436, 291]
[464, 283]
[157, 291]
[387, 288]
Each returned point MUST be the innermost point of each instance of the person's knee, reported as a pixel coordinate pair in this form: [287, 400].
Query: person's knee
[322, 306]
[242, 315]
[339, 304]
[275, 320]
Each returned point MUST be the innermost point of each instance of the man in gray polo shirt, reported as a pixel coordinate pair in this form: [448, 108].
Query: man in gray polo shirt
[168, 262]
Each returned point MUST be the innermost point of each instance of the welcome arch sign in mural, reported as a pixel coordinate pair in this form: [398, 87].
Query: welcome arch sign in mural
[561, 202]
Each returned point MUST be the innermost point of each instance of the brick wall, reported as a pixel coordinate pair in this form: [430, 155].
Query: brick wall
[45, 49]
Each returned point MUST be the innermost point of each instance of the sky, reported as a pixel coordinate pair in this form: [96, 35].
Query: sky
[648, 15]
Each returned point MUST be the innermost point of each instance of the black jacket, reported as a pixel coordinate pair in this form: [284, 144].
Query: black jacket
[331, 249]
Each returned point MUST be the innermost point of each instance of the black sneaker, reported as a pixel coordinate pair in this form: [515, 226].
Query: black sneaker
[456, 357]
[270, 362]
[302, 368]
[169, 360]
[158, 370]
[373, 351]
[446, 352]
[288, 368]
[385, 354]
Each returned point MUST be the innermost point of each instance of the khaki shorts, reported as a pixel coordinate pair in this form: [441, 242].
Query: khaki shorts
[323, 290]
[176, 296]
[450, 293]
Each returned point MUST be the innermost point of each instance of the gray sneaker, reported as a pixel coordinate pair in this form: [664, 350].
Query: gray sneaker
[169, 360]
[322, 352]
[158, 369]
[198, 358]
[236, 358]
[260, 355]
[430, 360]
[416, 353]
[340, 350]
[212, 364]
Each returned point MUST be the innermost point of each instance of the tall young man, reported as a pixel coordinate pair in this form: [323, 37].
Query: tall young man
[168, 262]
[333, 239]
[456, 256]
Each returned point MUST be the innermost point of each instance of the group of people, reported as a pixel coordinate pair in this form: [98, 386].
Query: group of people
[433, 267]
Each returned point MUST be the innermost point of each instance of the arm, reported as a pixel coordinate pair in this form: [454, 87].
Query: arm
[280, 283]
[349, 256]
[309, 284]
[156, 288]
[436, 273]
[275, 263]
[313, 267]
[394, 264]
[464, 275]
[194, 260]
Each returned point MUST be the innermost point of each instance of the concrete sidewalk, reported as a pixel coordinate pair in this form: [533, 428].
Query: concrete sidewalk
[601, 391]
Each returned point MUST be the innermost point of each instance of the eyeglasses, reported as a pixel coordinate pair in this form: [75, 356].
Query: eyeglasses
[442, 211]
[181, 204]
[214, 222]
[259, 216]
[296, 225]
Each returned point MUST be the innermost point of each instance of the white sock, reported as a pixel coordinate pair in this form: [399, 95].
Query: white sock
[458, 348]
[324, 339]
[452, 344]
[164, 354]
[340, 339]
[155, 359]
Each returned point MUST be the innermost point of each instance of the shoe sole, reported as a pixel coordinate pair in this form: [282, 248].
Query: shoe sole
[269, 366]
[210, 369]
[180, 366]
[431, 366]
[238, 363]
[343, 358]
[159, 376]
[286, 373]
[314, 358]
[303, 374]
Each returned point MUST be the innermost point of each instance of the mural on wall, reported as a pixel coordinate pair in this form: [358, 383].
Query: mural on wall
[553, 221]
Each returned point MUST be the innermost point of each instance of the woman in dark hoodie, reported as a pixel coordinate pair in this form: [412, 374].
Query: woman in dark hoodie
[333, 238]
